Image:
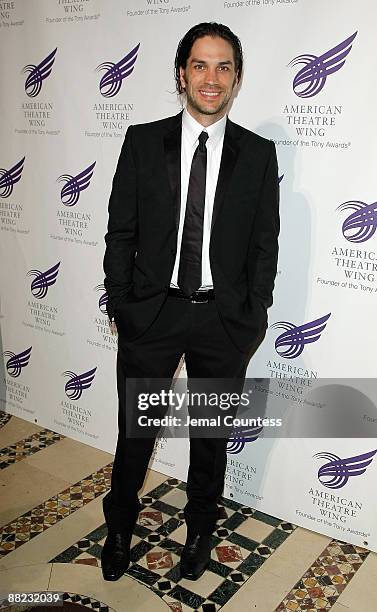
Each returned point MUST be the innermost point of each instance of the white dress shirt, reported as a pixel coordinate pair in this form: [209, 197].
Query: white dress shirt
[190, 134]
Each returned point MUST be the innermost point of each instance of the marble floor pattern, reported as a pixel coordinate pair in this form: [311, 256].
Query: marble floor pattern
[52, 532]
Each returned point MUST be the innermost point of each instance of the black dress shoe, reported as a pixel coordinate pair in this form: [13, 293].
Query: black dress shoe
[195, 556]
[115, 556]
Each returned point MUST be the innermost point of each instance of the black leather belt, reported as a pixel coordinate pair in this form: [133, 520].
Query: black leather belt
[198, 297]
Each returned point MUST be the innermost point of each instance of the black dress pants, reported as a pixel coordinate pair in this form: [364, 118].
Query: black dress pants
[195, 330]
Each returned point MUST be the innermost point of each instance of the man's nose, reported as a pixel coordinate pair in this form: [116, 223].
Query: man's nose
[212, 75]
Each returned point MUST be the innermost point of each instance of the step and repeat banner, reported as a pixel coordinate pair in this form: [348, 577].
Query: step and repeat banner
[74, 75]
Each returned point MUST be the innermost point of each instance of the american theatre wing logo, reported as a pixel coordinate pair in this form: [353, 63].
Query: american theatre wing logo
[74, 185]
[43, 280]
[241, 436]
[78, 382]
[103, 299]
[8, 178]
[311, 78]
[111, 81]
[292, 341]
[335, 472]
[17, 362]
[37, 74]
[361, 224]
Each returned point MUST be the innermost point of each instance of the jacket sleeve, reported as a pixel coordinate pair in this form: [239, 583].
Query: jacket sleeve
[122, 230]
[263, 250]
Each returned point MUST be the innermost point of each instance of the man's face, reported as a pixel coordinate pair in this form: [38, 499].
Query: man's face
[209, 78]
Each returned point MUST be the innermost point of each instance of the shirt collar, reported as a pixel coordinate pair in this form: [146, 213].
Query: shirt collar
[192, 128]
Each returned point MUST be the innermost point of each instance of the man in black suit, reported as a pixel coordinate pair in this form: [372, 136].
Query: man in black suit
[190, 265]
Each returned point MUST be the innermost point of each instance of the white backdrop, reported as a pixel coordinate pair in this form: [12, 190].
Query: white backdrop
[61, 131]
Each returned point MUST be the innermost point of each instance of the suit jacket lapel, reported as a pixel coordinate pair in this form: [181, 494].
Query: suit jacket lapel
[172, 147]
[228, 161]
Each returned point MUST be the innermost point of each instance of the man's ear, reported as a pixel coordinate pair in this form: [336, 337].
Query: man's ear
[236, 84]
[182, 77]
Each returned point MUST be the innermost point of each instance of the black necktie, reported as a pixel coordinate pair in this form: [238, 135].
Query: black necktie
[190, 260]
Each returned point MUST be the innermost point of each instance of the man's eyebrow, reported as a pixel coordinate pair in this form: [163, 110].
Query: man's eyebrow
[200, 61]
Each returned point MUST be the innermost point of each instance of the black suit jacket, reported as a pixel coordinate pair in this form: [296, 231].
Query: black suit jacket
[144, 208]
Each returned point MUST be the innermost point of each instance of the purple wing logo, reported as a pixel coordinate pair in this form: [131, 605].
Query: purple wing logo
[15, 362]
[102, 302]
[240, 437]
[311, 79]
[8, 178]
[361, 224]
[43, 280]
[33, 83]
[336, 472]
[77, 383]
[70, 193]
[291, 342]
[111, 81]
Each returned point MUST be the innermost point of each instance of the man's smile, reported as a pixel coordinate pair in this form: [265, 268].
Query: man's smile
[209, 94]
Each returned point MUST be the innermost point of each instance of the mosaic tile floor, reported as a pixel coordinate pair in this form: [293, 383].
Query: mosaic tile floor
[27, 447]
[321, 585]
[234, 559]
[56, 508]
[86, 602]
[159, 539]
[4, 418]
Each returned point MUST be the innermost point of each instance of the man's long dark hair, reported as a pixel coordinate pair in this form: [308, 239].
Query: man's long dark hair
[198, 31]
